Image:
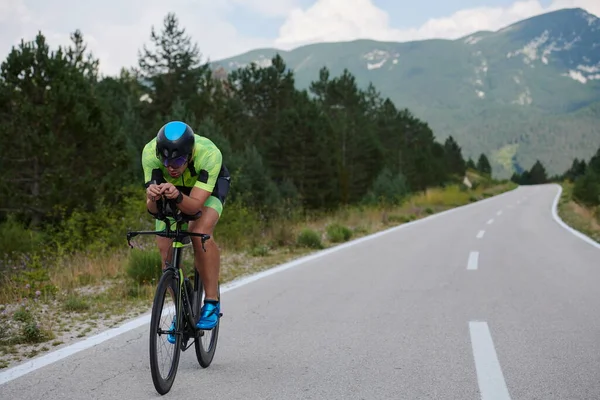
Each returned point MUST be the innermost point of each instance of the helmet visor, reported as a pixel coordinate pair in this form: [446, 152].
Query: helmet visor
[175, 162]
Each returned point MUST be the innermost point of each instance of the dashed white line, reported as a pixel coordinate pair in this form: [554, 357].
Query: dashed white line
[491, 221]
[480, 234]
[489, 373]
[499, 212]
[473, 260]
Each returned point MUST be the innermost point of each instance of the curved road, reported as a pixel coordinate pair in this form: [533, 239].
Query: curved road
[495, 300]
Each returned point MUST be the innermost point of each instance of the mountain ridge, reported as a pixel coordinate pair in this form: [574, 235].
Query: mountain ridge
[488, 89]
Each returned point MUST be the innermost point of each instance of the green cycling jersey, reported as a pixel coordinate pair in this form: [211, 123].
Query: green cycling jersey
[205, 170]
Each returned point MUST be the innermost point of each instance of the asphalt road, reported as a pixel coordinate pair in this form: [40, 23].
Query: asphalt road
[495, 300]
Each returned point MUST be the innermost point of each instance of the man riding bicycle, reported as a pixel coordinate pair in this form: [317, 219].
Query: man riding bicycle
[188, 168]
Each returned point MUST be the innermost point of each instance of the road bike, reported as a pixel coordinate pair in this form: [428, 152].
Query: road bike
[187, 299]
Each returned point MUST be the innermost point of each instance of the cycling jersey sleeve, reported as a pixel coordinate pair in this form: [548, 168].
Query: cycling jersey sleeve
[149, 161]
[209, 161]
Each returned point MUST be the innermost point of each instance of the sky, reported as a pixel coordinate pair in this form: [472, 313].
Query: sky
[115, 30]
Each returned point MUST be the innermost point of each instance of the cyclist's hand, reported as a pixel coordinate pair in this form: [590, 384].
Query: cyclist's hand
[153, 192]
[169, 191]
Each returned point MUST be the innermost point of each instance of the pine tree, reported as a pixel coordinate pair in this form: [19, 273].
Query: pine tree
[483, 165]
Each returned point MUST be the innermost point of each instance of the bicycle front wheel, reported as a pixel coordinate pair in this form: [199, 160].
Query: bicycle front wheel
[164, 323]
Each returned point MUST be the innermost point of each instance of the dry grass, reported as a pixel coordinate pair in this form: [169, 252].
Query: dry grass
[581, 218]
[83, 270]
[588, 216]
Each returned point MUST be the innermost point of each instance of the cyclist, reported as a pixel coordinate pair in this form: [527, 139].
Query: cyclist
[181, 165]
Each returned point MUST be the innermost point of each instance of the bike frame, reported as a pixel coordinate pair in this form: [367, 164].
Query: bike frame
[178, 235]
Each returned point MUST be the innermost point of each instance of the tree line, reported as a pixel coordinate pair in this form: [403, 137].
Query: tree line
[584, 175]
[71, 140]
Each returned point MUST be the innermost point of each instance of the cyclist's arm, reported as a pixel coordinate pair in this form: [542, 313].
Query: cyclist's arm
[150, 166]
[210, 162]
[193, 203]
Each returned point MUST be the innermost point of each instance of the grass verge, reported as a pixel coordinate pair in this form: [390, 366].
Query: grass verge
[50, 306]
[584, 219]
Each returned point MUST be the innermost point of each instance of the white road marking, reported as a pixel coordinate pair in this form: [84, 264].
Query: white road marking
[499, 212]
[473, 260]
[480, 234]
[491, 221]
[489, 373]
[57, 355]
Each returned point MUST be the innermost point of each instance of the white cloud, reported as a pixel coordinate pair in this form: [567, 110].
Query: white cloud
[337, 20]
[269, 8]
[115, 38]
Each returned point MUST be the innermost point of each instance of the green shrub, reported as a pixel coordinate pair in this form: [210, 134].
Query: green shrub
[36, 276]
[388, 188]
[309, 238]
[76, 304]
[29, 327]
[337, 233]
[144, 266]
[238, 227]
[32, 333]
[23, 315]
[282, 234]
[259, 251]
[103, 228]
[587, 189]
[15, 238]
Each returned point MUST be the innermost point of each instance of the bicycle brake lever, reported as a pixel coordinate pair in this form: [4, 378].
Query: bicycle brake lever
[204, 238]
[129, 239]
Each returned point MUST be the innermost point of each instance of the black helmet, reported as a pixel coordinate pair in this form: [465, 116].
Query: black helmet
[174, 139]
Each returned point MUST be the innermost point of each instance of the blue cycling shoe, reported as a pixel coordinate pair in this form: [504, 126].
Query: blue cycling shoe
[209, 315]
[171, 336]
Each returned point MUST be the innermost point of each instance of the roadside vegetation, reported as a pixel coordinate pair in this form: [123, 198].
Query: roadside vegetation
[52, 299]
[578, 215]
[310, 169]
[579, 204]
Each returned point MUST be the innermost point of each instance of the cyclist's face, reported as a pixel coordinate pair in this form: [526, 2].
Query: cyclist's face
[175, 172]
[176, 166]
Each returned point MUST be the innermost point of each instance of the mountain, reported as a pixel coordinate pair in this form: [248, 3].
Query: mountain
[528, 91]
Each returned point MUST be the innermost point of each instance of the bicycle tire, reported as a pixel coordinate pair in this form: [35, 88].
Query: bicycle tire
[204, 356]
[161, 385]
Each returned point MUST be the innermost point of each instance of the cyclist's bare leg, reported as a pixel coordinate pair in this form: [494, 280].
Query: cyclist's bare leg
[165, 248]
[207, 263]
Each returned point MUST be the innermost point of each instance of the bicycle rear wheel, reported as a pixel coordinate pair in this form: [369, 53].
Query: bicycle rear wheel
[159, 329]
[206, 341]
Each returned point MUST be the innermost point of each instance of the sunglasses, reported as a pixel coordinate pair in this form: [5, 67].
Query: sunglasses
[175, 162]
